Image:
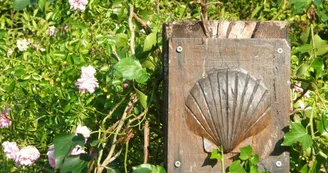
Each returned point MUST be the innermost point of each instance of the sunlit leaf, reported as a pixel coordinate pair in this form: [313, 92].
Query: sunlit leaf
[142, 98]
[296, 134]
[150, 41]
[131, 69]
[235, 167]
[215, 154]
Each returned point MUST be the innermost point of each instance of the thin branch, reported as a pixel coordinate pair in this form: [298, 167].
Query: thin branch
[116, 55]
[204, 17]
[146, 141]
[143, 23]
[131, 30]
[127, 111]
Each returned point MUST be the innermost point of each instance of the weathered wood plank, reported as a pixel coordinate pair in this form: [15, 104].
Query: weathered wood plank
[259, 57]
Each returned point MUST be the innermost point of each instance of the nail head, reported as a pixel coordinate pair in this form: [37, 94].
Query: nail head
[179, 49]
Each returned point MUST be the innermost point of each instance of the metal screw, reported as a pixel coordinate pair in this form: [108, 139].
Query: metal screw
[177, 164]
[278, 163]
[179, 49]
[280, 50]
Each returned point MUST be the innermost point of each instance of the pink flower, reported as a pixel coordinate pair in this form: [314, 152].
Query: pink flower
[4, 120]
[11, 149]
[51, 156]
[83, 130]
[77, 150]
[87, 80]
[52, 30]
[78, 4]
[27, 156]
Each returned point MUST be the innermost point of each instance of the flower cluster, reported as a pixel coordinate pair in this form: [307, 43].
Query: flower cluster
[24, 157]
[22, 45]
[4, 120]
[87, 80]
[78, 4]
[77, 150]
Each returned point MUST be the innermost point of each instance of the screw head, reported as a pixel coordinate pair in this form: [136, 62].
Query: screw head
[280, 50]
[278, 163]
[179, 49]
[177, 164]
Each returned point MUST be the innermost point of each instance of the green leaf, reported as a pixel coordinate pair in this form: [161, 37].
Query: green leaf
[141, 97]
[299, 5]
[302, 49]
[215, 154]
[11, 86]
[131, 69]
[104, 68]
[254, 169]
[76, 164]
[143, 168]
[318, 65]
[111, 170]
[21, 4]
[302, 70]
[235, 167]
[19, 72]
[2, 33]
[64, 143]
[150, 41]
[305, 169]
[245, 152]
[158, 169]
[297, 133]
[305, 35]
[254, 159]
[317, 2]
[321, 46]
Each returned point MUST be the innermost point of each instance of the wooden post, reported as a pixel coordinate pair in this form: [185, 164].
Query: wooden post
[229, 90]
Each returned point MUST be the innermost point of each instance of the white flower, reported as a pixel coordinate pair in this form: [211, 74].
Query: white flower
[52, 30]
[11, 149]
[88, 71]
[83, 130]
[78, 4]
[87, 80]
[51, 155]
[77, 150]
[10, 52]
[22, 45]
[27, 156]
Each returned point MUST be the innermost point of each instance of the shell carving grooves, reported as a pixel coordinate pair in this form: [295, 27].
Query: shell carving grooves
[226, 107]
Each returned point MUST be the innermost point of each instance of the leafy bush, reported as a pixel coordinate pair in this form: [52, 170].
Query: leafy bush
[45, 44]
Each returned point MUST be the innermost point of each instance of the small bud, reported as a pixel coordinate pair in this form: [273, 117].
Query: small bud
[125, 85]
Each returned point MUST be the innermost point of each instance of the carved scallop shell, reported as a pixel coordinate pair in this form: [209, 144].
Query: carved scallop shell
[226, 107]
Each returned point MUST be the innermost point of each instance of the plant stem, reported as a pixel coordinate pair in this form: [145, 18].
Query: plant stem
[126, 156]
[222, 160]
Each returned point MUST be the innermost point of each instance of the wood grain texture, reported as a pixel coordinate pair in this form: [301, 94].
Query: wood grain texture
[200, 56]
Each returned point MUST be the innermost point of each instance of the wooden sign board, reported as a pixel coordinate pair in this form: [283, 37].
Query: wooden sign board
[229, 90]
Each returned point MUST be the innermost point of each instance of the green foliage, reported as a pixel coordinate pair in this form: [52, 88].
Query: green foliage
[38, 84]
[131, 69]
[148, 168]
[247, 163]
[64, 144]
[298, 134]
